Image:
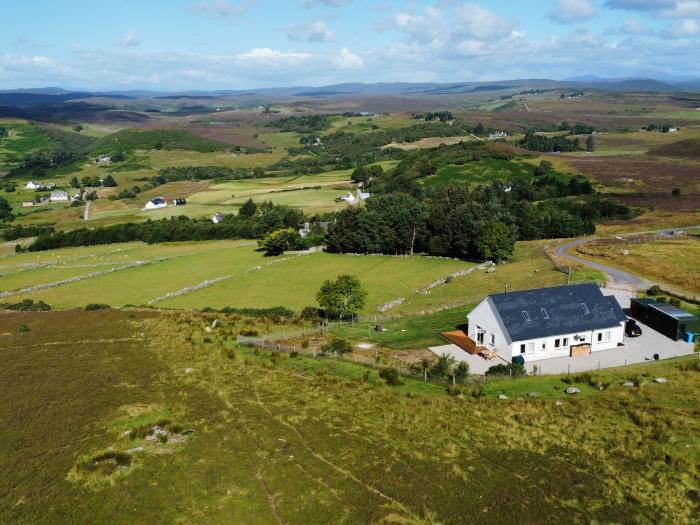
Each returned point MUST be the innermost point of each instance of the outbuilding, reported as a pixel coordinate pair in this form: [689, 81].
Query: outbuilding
[666, 319]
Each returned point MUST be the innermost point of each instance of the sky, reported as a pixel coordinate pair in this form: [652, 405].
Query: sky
[176, 45]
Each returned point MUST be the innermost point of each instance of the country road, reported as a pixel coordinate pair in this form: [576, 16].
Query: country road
[617, 278]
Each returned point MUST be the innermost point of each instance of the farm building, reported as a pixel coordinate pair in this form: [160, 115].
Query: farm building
[34, 185]
[217, 218]
[313, 227]
[667, 319]
[158, 202]
[179, 202]
[103, 160]
[59, 196]
[543, 323]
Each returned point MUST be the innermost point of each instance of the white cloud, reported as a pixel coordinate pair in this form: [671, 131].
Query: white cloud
[475, 22]
[314, 31]
[423, 27]
[130, 39]
[683, 9]
[268, 56]
[571, 11]
[684, 28]
[346, 59]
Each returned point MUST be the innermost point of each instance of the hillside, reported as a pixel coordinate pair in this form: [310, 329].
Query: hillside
[254, 438]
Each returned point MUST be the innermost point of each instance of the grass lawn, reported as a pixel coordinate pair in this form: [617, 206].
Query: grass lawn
[283, 440]
[407, 332]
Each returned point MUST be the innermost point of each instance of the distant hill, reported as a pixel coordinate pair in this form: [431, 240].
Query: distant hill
[689, 149]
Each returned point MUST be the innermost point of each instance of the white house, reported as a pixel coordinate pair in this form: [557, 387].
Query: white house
[217, 218]
[497, 135]
[103, 160]
[355, 198]
[59, 196]
[158, 202]
[538, 324]
[34, 185]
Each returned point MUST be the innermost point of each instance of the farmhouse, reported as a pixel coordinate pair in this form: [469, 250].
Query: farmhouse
[217, 218]
[497, 135]
[59, 196]
[355, 198]
[34, 185]
[103, 160]
[538, 324]
[316, 227]
[158, 202]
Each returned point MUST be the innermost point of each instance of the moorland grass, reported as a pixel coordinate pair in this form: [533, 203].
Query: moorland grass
[294, 441]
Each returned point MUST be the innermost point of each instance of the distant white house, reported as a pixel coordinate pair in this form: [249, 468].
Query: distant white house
[28, 204]
[355, 198]
[217, 218]
[310, 228]
[497, 135]
[59, 196]
[34, 185]
[103, 160]
[179, 201]
[158, 202]
[315, 142]
[543, 323]
[673, 130]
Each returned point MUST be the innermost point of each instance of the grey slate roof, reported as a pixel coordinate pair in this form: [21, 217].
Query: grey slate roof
[555, 311]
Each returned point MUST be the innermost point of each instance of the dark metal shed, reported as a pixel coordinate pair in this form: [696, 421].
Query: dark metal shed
[665, 318]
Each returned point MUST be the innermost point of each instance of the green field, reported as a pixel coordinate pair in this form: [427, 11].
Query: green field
[257, 281]
[282, 440]
[482, 172]
[252, 280]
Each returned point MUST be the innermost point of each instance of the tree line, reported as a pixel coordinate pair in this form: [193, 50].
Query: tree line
[253, 221]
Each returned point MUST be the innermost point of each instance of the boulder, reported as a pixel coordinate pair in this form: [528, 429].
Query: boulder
[189, 370]
[628, 384]
[502, 396]
[572, 390]
[533, 394]
[661, 380]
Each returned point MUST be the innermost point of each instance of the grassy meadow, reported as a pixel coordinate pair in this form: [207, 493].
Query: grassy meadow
[672, 261]
[257, 438]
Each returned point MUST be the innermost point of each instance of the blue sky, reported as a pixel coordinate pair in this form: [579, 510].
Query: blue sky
[242, 44]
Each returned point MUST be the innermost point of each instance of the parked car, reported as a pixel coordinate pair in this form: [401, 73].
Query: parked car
[632, 329]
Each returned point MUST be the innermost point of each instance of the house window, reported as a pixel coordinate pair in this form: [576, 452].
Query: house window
[492, 339]
[526, 316]
[608, 336]
[544, 345]
[585, 309]
[557, 343]
[566, 342]
[531, 348]
[522, 349]
[600, 336]
[545, 313]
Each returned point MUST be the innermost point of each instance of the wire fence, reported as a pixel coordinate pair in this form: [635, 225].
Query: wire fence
[452, 378]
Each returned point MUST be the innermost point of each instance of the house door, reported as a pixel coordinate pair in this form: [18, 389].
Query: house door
[480, 335]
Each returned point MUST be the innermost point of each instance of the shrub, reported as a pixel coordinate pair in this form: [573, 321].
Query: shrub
[310, 313]
[514, 369]
[674, 301]
[27, 305]
[96, 306]
[654, 291]
[391, 376]
[336, 346]
[23, 329]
